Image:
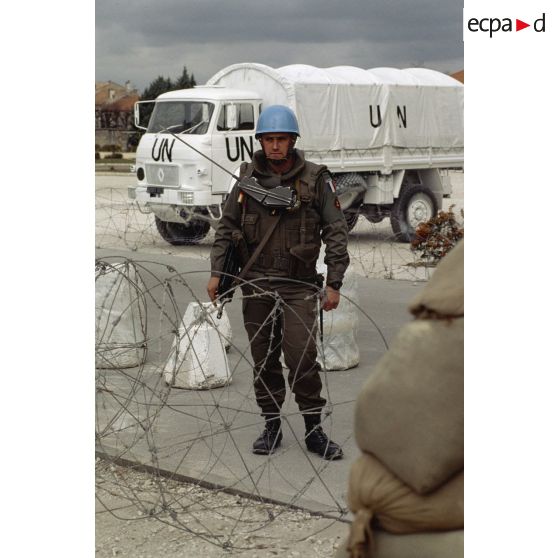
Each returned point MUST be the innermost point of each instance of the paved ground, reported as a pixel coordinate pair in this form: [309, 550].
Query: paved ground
[208, 434]
[202, 439]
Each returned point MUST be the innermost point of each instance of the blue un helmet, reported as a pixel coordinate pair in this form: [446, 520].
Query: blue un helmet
[277, 118]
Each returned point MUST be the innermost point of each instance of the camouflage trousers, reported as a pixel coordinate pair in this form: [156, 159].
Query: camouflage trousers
[281, 316]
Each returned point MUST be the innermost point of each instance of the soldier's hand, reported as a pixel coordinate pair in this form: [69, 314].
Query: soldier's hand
[331, 299]
[212, 286]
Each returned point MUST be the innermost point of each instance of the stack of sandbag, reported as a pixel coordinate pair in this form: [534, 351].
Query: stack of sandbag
[409, 426]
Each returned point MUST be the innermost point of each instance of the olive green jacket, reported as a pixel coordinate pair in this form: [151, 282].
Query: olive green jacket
[294, 246]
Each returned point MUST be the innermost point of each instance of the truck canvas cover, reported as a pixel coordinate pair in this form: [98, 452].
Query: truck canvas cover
[347, 109]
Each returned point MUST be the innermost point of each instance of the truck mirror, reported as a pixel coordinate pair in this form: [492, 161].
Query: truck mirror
[141, 117]
[137, 117]
[231, 117]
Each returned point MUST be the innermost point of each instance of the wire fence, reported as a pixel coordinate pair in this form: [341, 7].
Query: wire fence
[373, 248]
[175, 391]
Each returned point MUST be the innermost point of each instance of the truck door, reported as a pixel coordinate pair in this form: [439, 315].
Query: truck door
[233, 141]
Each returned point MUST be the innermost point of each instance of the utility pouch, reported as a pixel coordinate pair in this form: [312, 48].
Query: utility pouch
[305, 252]
[303, 263]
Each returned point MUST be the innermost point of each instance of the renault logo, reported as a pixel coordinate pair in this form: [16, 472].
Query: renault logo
[160, 175]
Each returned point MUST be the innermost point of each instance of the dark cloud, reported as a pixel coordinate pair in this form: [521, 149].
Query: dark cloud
[142, 39]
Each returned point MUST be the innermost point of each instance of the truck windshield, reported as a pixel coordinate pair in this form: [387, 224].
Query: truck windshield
[181, 117]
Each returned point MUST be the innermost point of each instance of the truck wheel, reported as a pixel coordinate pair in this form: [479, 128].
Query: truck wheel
[414, 205]
[181, 234]
[352, 218]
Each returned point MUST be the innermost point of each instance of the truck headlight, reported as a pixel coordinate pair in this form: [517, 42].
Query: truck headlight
[140, 173]
[187, 197]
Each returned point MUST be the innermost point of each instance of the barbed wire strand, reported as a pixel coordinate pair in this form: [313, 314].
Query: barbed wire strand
[134, 402]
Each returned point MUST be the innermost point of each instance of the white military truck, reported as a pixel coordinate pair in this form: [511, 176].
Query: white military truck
[388, 136]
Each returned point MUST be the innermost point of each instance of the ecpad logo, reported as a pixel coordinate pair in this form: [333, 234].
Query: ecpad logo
[494, 24]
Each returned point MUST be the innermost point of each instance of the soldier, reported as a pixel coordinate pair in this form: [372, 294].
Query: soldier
[279, 302]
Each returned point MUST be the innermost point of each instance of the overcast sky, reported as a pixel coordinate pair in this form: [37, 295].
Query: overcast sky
[138, 40]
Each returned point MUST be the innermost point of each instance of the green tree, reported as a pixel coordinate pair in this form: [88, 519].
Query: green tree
[184, 81]
[156, 87]
[161, 85]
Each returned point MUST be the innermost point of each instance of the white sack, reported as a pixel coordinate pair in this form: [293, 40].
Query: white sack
[120, 317]
[207, 312]
[198, 358]
[340, 350]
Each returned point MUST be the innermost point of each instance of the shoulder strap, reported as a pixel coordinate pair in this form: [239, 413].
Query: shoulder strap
[258, 249]
[308, 179]
[304, 196]
[312, 171]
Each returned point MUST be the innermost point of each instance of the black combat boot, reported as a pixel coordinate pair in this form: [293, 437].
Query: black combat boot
[270, 439]
[317, 440]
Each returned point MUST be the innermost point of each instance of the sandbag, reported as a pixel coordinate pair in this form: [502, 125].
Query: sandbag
[377, 497]
[444, 293]
[449, 544]
[409, 412]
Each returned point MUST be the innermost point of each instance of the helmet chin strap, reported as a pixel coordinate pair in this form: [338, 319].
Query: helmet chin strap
[282, 160]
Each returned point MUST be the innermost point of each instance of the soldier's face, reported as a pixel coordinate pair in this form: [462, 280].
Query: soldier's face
[276, 146]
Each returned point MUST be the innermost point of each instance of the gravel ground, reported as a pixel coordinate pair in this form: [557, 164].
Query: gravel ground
[143, 516]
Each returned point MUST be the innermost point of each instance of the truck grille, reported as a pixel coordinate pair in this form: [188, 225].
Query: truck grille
[164, 175]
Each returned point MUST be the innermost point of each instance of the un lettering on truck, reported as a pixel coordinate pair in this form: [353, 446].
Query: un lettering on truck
[345, 109]
[387, 135]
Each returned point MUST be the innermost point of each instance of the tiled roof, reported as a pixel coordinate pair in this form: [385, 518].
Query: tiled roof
[125, 103]
[102, 95]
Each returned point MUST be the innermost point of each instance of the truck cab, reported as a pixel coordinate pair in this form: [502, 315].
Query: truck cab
[175, 182]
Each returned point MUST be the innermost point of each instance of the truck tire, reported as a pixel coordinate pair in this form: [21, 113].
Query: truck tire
[414, 205]
[181, 234]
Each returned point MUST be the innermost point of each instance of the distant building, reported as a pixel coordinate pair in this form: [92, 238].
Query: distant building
[114, 113]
